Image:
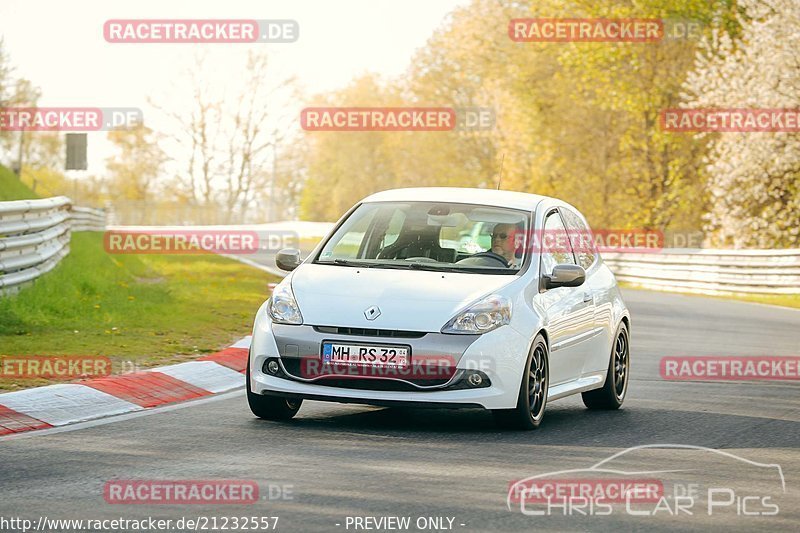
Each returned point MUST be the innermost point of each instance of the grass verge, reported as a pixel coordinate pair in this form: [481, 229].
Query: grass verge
[139, 310]
[11, 188]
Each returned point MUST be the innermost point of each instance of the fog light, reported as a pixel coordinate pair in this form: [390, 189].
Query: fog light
[475, 380]
[273, 367]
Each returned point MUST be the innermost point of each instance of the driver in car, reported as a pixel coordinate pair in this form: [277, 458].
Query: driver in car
[504, 243]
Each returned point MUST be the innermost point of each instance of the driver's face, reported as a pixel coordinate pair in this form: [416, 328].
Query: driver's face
[503, 240]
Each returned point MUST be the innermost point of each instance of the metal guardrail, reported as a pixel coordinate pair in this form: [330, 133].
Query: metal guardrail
[710, 271]
[88, 219]
[703, 271]
[35, 235]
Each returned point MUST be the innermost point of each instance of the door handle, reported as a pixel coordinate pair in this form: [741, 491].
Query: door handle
[587, 297]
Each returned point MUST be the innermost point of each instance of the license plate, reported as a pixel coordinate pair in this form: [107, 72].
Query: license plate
[362, 354]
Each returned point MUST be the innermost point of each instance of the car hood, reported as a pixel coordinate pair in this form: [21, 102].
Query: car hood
[412, 300]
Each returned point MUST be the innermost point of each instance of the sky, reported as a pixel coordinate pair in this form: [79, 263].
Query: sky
[59, 46]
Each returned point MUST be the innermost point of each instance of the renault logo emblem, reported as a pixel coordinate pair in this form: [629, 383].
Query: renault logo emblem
[372, 312]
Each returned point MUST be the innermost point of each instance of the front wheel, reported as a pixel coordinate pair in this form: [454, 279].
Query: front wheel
[532, 399]
[613, 392]
[270, 407]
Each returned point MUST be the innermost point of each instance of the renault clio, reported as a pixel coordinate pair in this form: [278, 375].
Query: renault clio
[406, 302]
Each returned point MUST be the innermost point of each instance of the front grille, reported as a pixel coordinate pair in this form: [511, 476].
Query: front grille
[364, 332]
[378, 384]
[294, 367]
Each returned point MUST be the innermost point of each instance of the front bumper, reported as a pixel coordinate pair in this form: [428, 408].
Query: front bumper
[499, 355]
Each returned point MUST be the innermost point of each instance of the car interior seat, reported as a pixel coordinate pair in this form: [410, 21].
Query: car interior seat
[419, 242]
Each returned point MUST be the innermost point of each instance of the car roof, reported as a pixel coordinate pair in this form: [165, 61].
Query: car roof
[460, 195]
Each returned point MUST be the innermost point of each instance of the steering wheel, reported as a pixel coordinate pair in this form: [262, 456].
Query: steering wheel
[489, 255]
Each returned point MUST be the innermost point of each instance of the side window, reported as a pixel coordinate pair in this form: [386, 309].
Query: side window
[556, 249]
[581, 238]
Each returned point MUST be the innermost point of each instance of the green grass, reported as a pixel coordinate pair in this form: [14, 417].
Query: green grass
[782, 300]
[11, 188]
[145, 309]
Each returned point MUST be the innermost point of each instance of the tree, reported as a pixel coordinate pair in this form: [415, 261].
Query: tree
[574, 120]
[231, 138]
[43, 154]
[585, 118]
[21, 93]
[344, 166]
[754, 178]
[137, 165]
[14, 92]
[6, 83]
[254, 133]
[286, 181]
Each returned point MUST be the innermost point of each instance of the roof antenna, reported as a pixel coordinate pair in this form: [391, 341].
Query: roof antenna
[500, 174]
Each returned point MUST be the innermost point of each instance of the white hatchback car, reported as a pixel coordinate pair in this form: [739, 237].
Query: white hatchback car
[390, 309]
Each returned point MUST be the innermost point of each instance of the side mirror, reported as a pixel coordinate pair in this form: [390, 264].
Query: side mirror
[565, 276]
[288, 259]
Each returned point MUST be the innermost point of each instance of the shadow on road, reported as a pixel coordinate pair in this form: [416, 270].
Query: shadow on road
[564, 425]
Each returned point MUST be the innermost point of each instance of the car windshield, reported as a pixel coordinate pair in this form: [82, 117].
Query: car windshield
[430, 236]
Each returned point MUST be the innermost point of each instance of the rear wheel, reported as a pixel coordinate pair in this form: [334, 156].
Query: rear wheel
[613, 392]
[532, 398]
[270, 407]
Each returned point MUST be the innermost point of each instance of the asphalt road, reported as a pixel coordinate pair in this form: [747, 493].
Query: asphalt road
[337, 461]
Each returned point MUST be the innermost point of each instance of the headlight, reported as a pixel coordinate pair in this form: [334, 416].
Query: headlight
[484, 315]
[282, 307]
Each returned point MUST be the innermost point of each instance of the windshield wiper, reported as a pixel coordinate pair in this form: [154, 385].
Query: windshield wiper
[432, 267]
[393, 266]
[347, 262]
[448, 267]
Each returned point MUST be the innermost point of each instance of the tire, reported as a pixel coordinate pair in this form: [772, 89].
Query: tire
[526, 416]
[270, 407]
[613, 392]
